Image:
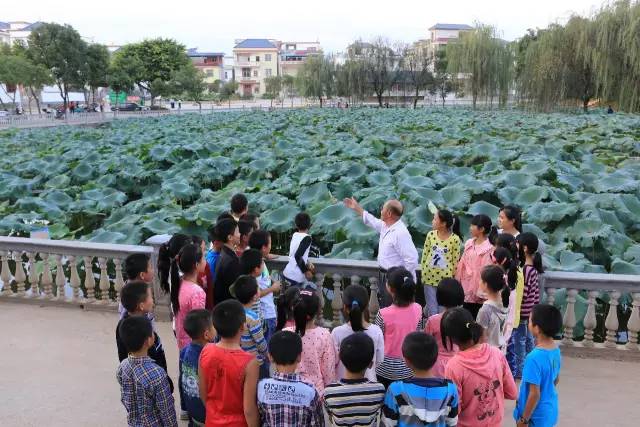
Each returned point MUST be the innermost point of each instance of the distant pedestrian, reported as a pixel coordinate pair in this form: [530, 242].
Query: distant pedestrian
[610, 110]
[179, 104]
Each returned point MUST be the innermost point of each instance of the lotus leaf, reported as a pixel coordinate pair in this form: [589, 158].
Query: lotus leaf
[585, 231]
[455, 197]
[530, 195]
[483, 208]
[332, 218]
[158, 226]
[279, 219]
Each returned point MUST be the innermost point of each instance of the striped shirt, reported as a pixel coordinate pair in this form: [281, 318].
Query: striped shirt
[421, 402]
[284, 400]
[354, 403]
[531, 294]
[252, 339]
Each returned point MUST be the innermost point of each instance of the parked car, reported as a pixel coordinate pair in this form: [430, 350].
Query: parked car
[131, 106]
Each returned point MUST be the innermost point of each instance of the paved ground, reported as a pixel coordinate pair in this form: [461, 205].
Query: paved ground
[57, 368]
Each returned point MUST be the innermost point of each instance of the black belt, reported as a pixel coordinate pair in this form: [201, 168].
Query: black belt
[383, 270]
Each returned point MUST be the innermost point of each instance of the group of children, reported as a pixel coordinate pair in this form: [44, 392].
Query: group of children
[246, 360]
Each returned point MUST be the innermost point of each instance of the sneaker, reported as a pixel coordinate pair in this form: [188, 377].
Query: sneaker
[184, 415]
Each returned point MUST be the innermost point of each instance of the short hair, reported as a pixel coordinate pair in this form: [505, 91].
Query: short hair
[239, 203]
[136, 264]
[421, 350]
[245, 288]
[251, 217]
[356, 352]
[224, 215]
[213, 234]
[302, 221]
[133, 293]
[285, 347]
[246, 227]
[228, 318]
[250, 260]
[259, 239]
[197, 322]
[548, 318]
[395, 207]
[225, 228]
[450, 293]
[134, 331]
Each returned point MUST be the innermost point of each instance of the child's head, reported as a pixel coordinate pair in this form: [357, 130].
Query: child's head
[492, 282]
[355, 299]
[136, 333]
[251, 217]
[510, 217]
[450, 293]
[190, 261]
[420, 351]
[167, 259]
[245, 289]
[199, 325]
[239, 205]
[136, 297]
[285, 348]
[302, 221]
[459, 327]
[504, 258]
[138, 267]
[445, 220]
[245, 228]
[261, 240]
[401, 286]
[545, 320]
[251, 262]
[356, 352]
[228, 319]
[199, 241]
[285, 305]
[305, 310]
[507, 241]
[227, 231]
[528, 245]
[481, 227]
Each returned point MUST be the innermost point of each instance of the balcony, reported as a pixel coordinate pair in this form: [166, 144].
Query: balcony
[246, 64]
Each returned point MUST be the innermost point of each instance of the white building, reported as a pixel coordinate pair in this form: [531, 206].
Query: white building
[441, 34]
[228, 63]
[10, 32]
[293, 55]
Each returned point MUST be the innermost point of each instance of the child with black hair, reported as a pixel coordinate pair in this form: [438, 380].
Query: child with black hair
[510, 220]
[228, 376]
[318, 363]
[199, 327]
[144, 386]
[137, 267]
[477, 254]
[479, 370]
[260, 240]
[537, 403]
[212, 255]
[397, 321]
[299, 270]
[252, 340]
[354, 400]
[440, 255]
[239, 206]
[286, 399]
[493, 313]
[356, 300]
[284, 307]
[245, 228]
[251, 265]
[228, 264]
[168, 259]
[425, 399]
[186, 294]
[449, 295]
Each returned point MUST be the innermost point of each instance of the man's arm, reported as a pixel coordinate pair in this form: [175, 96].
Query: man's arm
[249, 394]
[367, 218]
[532, 402]
[407, 250]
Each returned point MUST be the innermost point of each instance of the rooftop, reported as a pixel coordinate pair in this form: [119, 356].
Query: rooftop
[255, 44]
[32, 27]
[194, 53]
[4, 25]
[451, 27]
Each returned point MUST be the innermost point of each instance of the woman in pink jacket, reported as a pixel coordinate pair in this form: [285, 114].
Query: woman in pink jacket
[477, 254]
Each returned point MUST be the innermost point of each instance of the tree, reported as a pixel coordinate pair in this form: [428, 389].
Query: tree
[416, 68]
[37, 77]
[351, 80]
[62, 51]
[228, 90]
[288, 84]
[442, 82]
[158, 59]
[122, 75]
[273, 86]
[379, 59]
[316, 78]
[97, 67]
[189, 81]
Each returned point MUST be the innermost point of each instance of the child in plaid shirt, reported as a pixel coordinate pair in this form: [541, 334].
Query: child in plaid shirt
[144, 386]
[284, 400]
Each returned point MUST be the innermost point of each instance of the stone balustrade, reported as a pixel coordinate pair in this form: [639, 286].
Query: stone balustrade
[594, 306]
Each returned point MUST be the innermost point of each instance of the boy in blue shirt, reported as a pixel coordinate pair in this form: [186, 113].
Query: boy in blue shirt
[199, 326]
[537, 403]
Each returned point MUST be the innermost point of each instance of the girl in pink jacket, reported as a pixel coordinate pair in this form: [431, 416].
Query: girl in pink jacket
[477, 254]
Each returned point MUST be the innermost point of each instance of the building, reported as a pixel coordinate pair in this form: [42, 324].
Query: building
[293, 54]
[10, 32]
[4, 32]
[228, 64]
[210, 63]
[255, 60]
[441, 34]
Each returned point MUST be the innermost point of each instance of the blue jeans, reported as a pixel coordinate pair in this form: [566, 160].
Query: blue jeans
[430, 298]
[269, 328]
[520, 344]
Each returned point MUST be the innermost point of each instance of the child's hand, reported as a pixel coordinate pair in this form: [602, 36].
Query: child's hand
[276, 287]
[308, 274]
[311, 267]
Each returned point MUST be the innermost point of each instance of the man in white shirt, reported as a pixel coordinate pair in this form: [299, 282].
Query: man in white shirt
[395, 247]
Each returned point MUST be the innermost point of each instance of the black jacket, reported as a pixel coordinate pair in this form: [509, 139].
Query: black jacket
[227, 271]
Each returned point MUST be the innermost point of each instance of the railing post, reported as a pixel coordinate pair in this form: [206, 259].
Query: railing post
[104, 284]
[374, 305]
[60, 279]
[319, 286]
[119, 282]
[47, 279]
[570, 317]
[589, 321]
[634, 323]
[33, 275]
[551, 295]
[74, 278]
[19, 276]
[336, 304]
[611, 323]
[5, 274]
[89, 280]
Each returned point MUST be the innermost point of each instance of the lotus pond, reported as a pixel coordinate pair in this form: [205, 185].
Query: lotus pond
[577, 177]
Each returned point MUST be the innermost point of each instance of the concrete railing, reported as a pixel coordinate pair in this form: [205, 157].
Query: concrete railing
[55, 272]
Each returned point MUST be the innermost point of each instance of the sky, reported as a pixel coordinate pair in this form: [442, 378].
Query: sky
[214, 25]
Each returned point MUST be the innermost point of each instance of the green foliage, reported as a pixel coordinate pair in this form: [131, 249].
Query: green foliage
[97, 66]
[188, 81]
[316, 78]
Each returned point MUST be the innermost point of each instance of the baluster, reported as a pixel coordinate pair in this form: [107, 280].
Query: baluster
[47, 280]
[104, 281]
[5, 274]
[19, 277]
[611, 323]
[74, 278]
[374, 305]
[319, 286]
[33, 275]
[551, 295]
[60, 279]
[336, 304]
[89, 280]
[570, 317]
[634, 323]
[119, 282]
[589, 321]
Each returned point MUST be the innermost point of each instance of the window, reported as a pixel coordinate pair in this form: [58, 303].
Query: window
[246, 72]
[226, 75]
[255, 73]
[209, 73]
[267, 57]
[256, 89]
[267, 72]
[257, 59]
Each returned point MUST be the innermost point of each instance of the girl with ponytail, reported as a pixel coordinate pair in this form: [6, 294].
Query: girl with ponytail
[167, 259]
[440, 255]
[318, 363]
[479, 371]
[186, 294]
[493, 313]
[396, 322]
[356, 301]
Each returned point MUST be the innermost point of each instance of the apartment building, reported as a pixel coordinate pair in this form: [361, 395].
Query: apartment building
[210, 63]
[255, 60]
[228, 73]
[10, 32]
[293, 54]
[441, 34]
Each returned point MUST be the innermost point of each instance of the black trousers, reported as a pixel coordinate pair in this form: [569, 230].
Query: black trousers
[472, 308]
